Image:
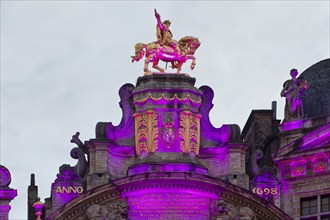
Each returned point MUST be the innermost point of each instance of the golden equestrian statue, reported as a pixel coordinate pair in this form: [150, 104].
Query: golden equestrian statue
[166, 49]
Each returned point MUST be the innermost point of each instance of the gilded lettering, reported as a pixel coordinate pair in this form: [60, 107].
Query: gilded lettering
[69, 189]
[65, 190]
[79, 189]
[58, 190]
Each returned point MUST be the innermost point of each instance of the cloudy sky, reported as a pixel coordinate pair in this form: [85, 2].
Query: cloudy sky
[62, 63]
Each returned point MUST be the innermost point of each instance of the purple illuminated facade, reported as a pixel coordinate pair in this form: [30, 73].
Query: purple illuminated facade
[7, 194]
[165, 160]
[292, 157]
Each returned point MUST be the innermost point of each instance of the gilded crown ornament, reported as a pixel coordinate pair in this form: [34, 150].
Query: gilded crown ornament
[168, 132]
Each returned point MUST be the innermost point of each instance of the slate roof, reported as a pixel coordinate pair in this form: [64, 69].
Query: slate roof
[316, 100]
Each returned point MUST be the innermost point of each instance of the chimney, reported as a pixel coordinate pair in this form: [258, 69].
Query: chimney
[274, 109]
[32, 198]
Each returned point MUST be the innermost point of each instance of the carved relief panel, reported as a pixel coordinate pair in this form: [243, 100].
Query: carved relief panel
[189, 132]
[146, 131]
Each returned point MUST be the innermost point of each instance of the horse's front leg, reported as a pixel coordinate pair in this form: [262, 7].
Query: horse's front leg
[179, 67]
[193, 63]
[174, 64]
[146, 65]
[155, 65]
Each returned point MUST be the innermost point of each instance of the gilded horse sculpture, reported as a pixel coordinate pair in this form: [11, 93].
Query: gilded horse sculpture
[166, 49]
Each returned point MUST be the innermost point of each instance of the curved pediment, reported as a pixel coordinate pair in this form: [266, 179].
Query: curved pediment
[169, 195]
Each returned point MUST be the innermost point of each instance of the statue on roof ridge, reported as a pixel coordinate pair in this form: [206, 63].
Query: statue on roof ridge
[293, 90]
[166, 49]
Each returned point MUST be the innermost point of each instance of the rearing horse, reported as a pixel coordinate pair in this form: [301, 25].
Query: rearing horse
[184, 50]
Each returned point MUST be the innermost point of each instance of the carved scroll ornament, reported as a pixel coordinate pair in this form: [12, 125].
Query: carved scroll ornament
[189, 132]
[146, 132]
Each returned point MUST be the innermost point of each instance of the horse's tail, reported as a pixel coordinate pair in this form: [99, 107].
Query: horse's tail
[139, 52]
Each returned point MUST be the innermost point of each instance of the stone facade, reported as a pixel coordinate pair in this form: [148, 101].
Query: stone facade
[303, 167]
[295, 152]
[235, 201]
[165, 160]
[164, 152]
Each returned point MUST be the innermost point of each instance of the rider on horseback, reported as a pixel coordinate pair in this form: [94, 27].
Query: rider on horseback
[163, 33]
[166, 49]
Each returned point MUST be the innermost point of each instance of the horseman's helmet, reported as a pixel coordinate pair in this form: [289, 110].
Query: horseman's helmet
[167, 22]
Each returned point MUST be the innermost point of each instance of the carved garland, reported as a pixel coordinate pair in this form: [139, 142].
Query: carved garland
[189, 132]
[146, 132]
[163, 97]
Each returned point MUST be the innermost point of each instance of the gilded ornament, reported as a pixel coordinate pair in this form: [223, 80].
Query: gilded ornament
[189, 132]
[146, 132]
[168, 133]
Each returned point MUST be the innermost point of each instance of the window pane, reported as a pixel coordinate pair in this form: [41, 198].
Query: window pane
[325, 200]
[308, 206]
[313, 202]
[325, 208]
[313, 210]
[305, 204]
[305, 211]
[325, 203]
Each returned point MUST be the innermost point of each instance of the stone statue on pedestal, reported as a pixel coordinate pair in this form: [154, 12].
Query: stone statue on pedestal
[293, 90]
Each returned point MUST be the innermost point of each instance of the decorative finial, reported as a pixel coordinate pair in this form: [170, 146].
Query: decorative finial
[5, 177]
[38, 206]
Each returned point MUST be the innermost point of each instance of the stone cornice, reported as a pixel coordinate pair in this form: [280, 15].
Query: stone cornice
[309, 142]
